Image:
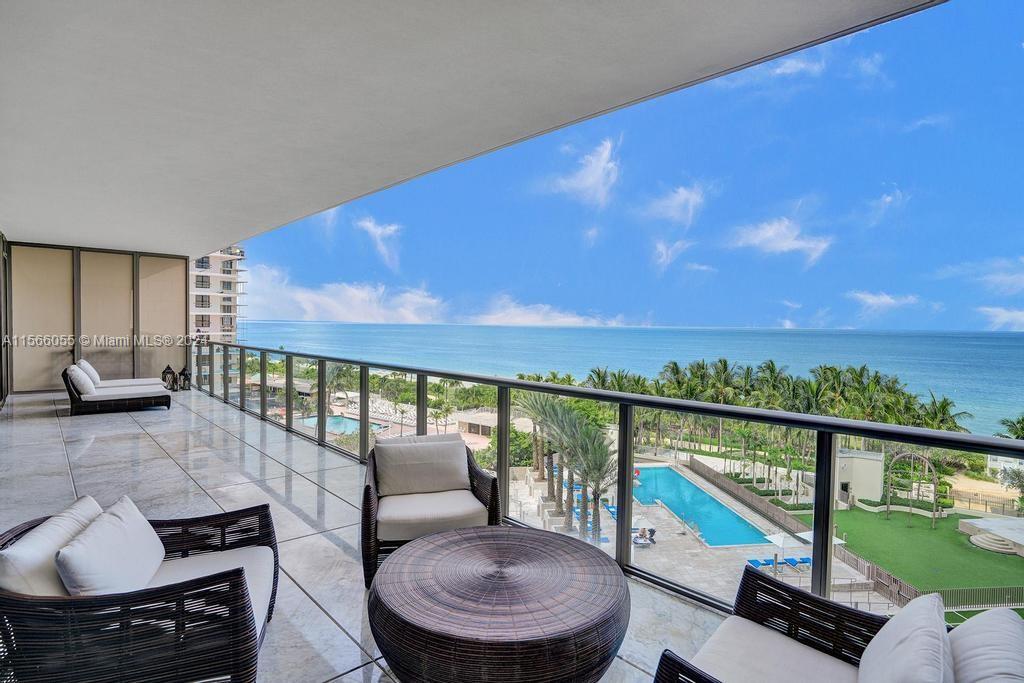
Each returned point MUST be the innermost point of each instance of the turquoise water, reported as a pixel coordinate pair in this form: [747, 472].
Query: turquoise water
[981, 371]
[338, 424]
[718, 524]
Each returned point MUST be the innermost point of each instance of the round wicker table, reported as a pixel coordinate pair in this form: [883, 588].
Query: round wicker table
[498, 604]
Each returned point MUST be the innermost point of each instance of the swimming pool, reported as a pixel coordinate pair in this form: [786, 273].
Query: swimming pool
[718, 524]
[339, 424]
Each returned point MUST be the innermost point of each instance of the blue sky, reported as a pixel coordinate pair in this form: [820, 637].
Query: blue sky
[872, 182]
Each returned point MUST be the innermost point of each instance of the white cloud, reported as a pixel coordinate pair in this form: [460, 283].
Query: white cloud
[797, 65]
[385, 239]
[271, 295]
[1000, 275]
[504, 310]
[787, 324]
[781, 236]
[700, 267]
[592, 182]
[665, 253]
[679, 205]
[1003, 318]
[869, 70]
[791, 305]
[887, 203]
[590, 235]
[786, 71]
[876, 303]
[929, 121]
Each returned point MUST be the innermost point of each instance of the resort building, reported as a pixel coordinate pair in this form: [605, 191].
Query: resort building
[294, 515]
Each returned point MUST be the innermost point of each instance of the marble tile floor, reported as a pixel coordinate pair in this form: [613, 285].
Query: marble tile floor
[201, 457]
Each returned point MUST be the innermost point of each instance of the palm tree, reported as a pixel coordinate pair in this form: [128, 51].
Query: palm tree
[722, 389]
[538, 407]
[941, 414]
[1014, 428]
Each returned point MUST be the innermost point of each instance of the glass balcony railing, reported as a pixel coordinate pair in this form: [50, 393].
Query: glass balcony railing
[683, 494]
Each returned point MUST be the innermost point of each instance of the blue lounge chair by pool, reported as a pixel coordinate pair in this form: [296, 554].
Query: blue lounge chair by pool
[756, 564]
[768, 562]
[791, 561]
[613, 510]
[804, 560]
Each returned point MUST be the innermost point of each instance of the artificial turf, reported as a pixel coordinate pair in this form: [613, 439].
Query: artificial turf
[927, 559]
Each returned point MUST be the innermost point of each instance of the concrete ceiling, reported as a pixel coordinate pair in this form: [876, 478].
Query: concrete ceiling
[181, 127]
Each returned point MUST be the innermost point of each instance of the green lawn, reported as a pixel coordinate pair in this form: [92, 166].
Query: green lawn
[926, 558]
[955, 617]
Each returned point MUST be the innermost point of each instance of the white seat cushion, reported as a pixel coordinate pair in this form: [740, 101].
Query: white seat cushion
[126, 392]
[912, 647]
[89, 370]
[81, 381]
[140, 382]
[27, 566]
[403, 518]
[118, 552]
[422, 464]
[989, 647]
[257, 561]
[741, 651]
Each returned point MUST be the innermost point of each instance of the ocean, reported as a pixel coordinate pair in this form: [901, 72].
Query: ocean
[983, 372]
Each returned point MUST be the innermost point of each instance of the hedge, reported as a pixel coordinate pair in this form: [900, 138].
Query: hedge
[769, 492]
[791, 506]
[919, 504]
[746, 480]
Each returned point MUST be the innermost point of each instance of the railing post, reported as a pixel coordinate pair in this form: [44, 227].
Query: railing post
[421, 404]
[504, 431]
[364, 412]
[209, 368]
[624, 487]
[288, 390]
[263, 385]
[225, 374]
[821, 551]
[321, 401]
[243, 358]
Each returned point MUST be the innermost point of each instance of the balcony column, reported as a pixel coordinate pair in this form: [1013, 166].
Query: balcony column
[421, 404]
[321, 402]
[364, 412]
[624, 487]
[225, 373]
[242, 359]
[504, 431]
[288, 389]
[821, 551]
[263, 385]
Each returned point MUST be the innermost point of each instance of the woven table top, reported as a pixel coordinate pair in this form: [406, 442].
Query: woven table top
[500, 584]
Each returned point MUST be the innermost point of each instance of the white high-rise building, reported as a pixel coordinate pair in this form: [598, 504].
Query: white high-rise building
[216, 289]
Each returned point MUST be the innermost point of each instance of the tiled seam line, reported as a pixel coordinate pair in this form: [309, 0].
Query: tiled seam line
[293, 580]
[64, 444]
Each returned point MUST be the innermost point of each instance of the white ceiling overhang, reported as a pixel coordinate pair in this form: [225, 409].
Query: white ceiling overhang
[180, 127]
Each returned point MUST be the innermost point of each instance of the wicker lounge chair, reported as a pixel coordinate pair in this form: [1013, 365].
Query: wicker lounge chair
[424, 512]
[195, 629]
[824, 628]
[115, 399]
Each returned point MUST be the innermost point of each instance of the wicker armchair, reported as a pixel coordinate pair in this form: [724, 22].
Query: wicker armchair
[201, 629]
[483, 485]
[826, 626]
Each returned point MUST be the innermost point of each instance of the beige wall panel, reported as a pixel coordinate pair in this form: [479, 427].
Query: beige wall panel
[106, 288]
[161, 312]
[42, 301]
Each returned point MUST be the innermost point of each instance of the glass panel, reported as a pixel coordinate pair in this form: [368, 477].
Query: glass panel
[217, 371]
[472, 411]
[106, 291]
[563, 464]
[234, 358]
[929, 539]
[711, 496]
[343, 406]
[392, 404]
[162, 312]
[276, 405]
[198, 365]
[305, 380]
[252, 381]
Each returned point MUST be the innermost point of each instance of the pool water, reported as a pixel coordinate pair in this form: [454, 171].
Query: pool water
[338, 424]
[718, 524]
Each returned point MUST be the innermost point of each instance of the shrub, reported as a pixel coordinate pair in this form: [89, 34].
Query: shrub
[769, 492]
[919, 504]
[791, 506]
[745, 480]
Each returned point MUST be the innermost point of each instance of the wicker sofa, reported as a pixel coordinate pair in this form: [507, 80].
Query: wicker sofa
[407, 517]
[115, 399]
[193, 629]
[778, 628]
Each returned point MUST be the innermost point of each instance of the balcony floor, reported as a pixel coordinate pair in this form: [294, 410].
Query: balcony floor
[203, 456]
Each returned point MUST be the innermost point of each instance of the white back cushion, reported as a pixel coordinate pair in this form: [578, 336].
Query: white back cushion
[119, 552]
[89, 370]
[27, 566]
[912, 647]
[80, 380]
[421, 464]
[989, 647]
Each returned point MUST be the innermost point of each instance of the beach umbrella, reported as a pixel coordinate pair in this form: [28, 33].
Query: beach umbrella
[808, 536]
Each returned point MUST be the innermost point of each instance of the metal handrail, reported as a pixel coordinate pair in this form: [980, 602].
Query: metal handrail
[918, 436]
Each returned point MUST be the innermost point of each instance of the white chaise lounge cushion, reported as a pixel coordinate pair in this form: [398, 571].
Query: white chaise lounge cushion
[80, 380]
[257, 561]
[912, 647]
[741, 651]
[88, 369]
[989, 647]
[27, 566]
[139, 382]
[125, 392]
[421, 464]
[117, 553]
[403, 518]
